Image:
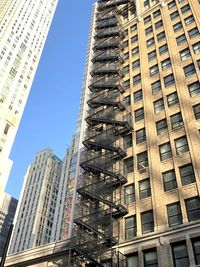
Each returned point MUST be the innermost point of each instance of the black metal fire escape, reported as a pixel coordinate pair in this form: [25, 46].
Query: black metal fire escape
[100, 189]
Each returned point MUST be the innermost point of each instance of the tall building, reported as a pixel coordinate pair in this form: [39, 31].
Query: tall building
[35, 214]
[24, 25]
[8, 207]
[139, 196]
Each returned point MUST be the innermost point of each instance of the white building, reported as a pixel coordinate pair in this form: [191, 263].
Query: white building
[35, 213]
[24, 25]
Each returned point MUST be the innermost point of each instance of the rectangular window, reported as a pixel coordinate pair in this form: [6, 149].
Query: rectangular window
[130, 227]
[165, 151]
[135, 51]
[171, 4]
[158, 24]
[187, 174]
[184, 54]
[153, 70]
[166, 64]
[142, 160]
[137, 79]
[128, 141]
[126, 84]
[138, 95]
[139, 114]
[126, 69]
[181, 39]
[150, 42]
[128, 165]
[185, 9]
[152, 55]
[174, 214]
[159, 105]
[147, 19]
[127, 100]
[174, 15]
[194, 32]
[196, 48]
[134, 39]
[180, 255]
[129, 193]
[189, 20]
[177, 26]
[156, 87]
[181, 145]
[169, 180]
[196, 249]
[145, 188]
[156, 13]
[189, 70]
[148, 30]
[133, 28]
[169, 80]
[172, 99]
[150, 258]
[140, 136]
[193, 208]
[136, 64]
[197, 111]
[160, 36]
[161, 126]
[147, 222]
[176, 121]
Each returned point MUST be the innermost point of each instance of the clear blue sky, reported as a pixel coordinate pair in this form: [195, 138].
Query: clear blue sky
[50, 115]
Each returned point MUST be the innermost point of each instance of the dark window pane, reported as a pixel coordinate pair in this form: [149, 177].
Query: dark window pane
[193, 208]
[187, 174]
[169, 180]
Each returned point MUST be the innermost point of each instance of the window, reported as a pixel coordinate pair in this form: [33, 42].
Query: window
[187, 174]
[126, 56]
[157, 13]
[134, 39]
[177, 26]
[142, 160]
[163, 49]
[197, 111]
[136, 64]
[180, 255]
[125, 44]
[181, 39]
[174, 214]
[166, 64]
[128, 141]
[147, 19]
[189, 70]
[194, 32]
[158, 105]
[181, 145]
[161, 36]
[128, 164]
[133, 28]
[145, 188]
[171, 4]
[126, 84]
[136, 79]
[140, 136]
[196, 249]
[154, 70]
[184, 54]
[169, 80]
[193, 208]
[196, 48]
[161, 126]
[172, 99]
[130, 227]
[138, 95]
[156, 87]
[189, 20]
[152, 55]
[185, 8]
[148, 30]
[158, 24]
[126, 69]
[127, 100]
[147, 222]
[176, 121]
[150, 42]
[139, 114]
[150, 258]
[132, 260]
[129, 193]
[169, 180]
[135, 51]
[165, 151]
[174, 15]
